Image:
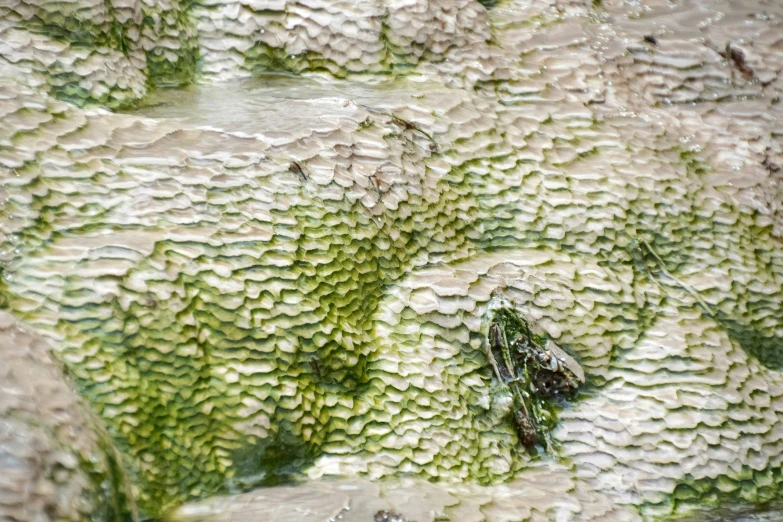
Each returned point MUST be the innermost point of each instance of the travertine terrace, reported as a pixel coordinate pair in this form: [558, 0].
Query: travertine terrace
[281, 270]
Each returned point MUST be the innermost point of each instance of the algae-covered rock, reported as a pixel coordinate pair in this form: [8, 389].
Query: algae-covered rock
[109, 53]
[287, 279]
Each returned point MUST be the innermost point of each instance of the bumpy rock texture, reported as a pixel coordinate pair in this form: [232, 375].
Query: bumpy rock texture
[57, 460]
[613, 170]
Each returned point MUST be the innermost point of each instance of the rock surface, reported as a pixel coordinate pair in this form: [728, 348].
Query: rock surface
[56, 460]
[275, 277]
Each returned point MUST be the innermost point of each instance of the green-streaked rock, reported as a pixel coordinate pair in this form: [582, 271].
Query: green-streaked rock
[239, 321]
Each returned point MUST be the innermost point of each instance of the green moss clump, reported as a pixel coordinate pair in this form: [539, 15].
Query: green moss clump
[525, 366]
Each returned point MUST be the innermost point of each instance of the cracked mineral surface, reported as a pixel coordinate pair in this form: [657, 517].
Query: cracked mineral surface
[281, 273]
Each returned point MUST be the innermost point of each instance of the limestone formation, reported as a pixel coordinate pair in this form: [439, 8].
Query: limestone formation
[262, 278]
[56, 460]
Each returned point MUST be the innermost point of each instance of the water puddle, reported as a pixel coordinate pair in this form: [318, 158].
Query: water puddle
[274, 103]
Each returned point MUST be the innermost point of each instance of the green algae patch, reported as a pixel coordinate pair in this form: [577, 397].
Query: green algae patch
[763, 345]
[668, 256]
[4, 296]
[263, 58]
[395, 60]
[68, 29]
[169, 66]
[66, 88]
[281, 458]
[163, 71]
[113, 500]
[745, 486]
[190, 362]
[84, 35]
[752, 321]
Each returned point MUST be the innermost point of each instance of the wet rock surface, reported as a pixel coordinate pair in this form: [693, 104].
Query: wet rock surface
[538, 493]
[56, 459]
[280, 277]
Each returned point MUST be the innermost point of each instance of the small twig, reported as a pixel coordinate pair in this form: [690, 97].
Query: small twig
[297, 168]
[376, 181]
[692, 291]
[409, 125]
[687, 288]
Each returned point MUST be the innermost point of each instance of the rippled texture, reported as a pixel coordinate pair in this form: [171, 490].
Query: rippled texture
[612, 170]
[57, 461]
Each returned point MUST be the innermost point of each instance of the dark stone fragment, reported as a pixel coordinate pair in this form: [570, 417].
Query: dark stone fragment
[525, 429]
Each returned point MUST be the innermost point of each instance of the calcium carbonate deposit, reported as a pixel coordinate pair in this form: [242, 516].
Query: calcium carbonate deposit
[390, 260]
